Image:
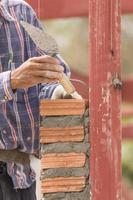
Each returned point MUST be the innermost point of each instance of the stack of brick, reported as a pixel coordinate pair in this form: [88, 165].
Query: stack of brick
[64, 150]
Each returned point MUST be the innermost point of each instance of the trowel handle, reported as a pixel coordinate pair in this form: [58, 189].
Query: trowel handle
[66, 83]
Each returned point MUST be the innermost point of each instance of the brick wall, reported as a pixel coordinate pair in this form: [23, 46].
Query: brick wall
[64, 150]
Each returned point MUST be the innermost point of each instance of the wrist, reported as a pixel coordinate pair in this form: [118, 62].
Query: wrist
[13, 82]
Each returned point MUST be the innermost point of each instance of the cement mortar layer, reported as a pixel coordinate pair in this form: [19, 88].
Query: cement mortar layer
[66, 148]
[84, 195]
[65, 121]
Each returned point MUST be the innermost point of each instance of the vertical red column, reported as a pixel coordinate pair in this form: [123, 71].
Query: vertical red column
[105, 99]
[35, 5]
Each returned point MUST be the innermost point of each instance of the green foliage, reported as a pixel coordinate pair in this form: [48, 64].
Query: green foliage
[127, 160]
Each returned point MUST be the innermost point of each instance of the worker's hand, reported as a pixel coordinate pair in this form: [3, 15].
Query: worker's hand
[43, 69]
[60, 93]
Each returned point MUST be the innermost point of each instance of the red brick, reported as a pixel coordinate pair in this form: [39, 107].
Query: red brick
[68, 134]
[61, 160]
[63, 184]
[62, 107]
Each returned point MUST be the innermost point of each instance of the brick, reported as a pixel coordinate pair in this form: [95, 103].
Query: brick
[62, 107]
[68, 134]
[63, 184]
[63, 160]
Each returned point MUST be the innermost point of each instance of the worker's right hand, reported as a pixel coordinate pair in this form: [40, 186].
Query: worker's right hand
[43, 69]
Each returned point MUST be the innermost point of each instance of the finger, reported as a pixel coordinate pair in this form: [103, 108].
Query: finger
[49, 67]
[39, 80]
[47, 74]
[45, 59]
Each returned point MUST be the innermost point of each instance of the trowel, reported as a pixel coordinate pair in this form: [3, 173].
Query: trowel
[48, 44]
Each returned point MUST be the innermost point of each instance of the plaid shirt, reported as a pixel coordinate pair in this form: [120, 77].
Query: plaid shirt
[19, 111]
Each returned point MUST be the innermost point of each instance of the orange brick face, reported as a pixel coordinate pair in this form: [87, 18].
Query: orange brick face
[59, 107]
[59, 160]
[68, 134]
[63, 184]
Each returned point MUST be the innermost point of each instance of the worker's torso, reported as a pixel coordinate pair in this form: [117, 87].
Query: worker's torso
[19, 116]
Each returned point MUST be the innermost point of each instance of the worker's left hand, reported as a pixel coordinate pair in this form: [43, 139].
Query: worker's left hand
[60, 93]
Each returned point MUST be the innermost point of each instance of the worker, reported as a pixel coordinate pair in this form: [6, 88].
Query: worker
[26, 75]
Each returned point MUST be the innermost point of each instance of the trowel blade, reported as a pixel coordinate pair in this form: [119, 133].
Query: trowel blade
[41, 38]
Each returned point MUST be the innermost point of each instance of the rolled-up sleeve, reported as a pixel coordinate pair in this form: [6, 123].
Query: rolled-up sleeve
[6, 93]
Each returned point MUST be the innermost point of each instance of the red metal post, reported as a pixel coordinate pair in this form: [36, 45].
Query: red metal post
[60, 8]
[104, 100]
[127, 6]
[67, 8]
